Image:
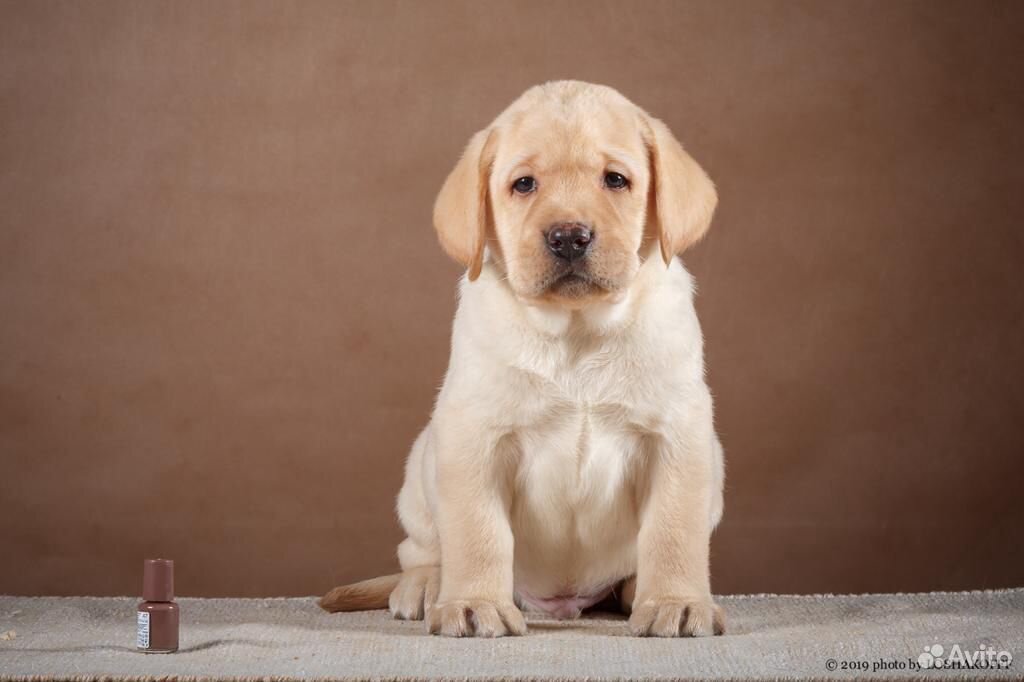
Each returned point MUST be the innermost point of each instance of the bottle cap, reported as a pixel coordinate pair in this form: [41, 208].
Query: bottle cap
[158, 580]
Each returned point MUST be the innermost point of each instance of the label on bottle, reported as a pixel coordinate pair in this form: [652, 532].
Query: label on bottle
[142, 630]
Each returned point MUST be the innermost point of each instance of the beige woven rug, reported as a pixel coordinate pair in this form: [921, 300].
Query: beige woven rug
[771, 637]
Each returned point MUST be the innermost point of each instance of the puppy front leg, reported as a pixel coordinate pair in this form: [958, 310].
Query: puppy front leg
[476, 538]
[673, 584]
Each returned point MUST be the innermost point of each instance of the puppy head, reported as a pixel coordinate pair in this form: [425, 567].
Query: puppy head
[565, 188]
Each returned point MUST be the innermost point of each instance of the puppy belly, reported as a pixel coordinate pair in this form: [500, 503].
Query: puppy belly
[574, 515]
[565, 580]
[564, 606]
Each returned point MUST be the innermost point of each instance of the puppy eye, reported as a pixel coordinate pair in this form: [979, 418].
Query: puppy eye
[615, 181]
[524, 185]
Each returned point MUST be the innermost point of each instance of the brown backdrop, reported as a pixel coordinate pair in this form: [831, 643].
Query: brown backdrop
[223, 313]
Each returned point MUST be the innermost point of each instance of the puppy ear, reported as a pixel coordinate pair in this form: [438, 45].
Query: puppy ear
[684, 196]
[461, 210]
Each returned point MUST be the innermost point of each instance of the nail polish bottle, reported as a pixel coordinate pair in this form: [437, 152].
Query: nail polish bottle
[157, 617]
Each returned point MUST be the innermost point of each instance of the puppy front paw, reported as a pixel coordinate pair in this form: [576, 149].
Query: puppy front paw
[475, 618]
[677, 617]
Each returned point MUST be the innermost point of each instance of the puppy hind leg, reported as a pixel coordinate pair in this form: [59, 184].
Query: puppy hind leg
[718, 482]
[416, 593]
[420, 553]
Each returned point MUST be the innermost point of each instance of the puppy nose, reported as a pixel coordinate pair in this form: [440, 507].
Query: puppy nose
[569, 240]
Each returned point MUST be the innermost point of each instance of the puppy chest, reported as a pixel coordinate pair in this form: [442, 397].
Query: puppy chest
[575, 476]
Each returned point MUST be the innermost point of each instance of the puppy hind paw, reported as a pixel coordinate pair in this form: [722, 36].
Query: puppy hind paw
[416, 593]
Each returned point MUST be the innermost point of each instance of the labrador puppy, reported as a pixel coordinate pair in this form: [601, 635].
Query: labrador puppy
[571, 453]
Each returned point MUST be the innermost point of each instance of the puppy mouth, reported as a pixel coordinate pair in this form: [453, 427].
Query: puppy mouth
[573, 282]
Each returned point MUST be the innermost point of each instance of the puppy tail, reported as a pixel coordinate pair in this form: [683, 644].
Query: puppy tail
[365, 595]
